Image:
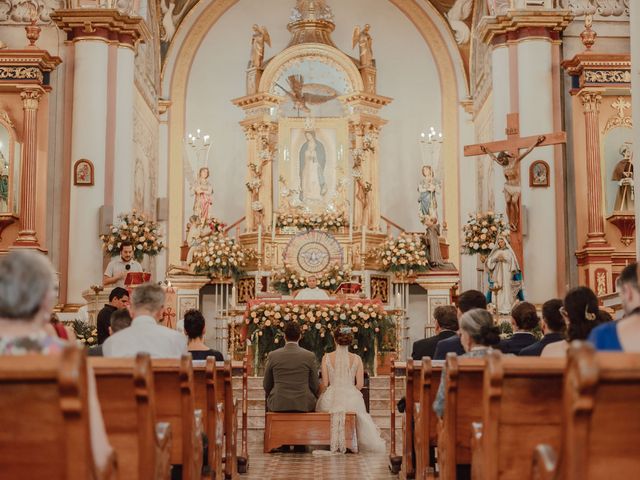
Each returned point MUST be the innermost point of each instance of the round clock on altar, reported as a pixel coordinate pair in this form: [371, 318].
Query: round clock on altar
[312, 252]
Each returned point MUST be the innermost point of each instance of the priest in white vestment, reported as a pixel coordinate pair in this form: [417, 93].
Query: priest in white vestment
[312, 292]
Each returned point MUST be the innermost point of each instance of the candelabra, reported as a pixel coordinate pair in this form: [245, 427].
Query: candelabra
[198, 146]
[430, 146]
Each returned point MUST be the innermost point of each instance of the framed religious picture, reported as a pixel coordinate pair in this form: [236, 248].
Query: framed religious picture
[539, 174]
[83, 173]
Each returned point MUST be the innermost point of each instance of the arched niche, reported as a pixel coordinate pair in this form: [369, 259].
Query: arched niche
[10, 150]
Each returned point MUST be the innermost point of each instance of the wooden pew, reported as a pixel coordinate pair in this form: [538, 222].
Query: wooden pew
[242, 369]
[127, 399]
[412, 395]
[425, 420]
[175, 404]
[464, 378]
[313, 428]
[395, 461]
[44, 419]
[601, 413]
[521, 407]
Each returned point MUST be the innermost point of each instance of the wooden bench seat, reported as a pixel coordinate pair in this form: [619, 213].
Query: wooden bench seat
[312, 428]
[601, 419]
[425, 420]
[44, 419]
[521, 407]
[127, 399]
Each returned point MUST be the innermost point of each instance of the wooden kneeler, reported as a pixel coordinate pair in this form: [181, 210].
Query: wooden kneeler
[312, 428]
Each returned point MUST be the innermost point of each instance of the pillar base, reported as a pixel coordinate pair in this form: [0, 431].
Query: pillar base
[595, 264]
[28, 239]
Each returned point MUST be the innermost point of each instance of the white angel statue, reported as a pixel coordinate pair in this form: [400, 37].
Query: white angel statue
[362, 38]
[258, 39]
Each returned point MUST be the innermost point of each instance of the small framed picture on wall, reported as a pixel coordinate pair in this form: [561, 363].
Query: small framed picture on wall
[83, 173]
[539, 174]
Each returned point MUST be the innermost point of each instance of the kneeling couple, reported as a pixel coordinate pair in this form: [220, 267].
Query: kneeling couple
[292, 385]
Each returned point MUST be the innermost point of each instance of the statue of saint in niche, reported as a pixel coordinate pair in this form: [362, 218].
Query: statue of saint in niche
[313, 160]
[623, 174]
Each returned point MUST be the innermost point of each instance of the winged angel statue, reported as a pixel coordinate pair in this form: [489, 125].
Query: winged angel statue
[259, 38]
[304, 94]
[362, 38]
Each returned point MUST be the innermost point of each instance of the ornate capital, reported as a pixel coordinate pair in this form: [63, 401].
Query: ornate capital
[515, 25]
[106, 24]
[591, 101]
[30, 99]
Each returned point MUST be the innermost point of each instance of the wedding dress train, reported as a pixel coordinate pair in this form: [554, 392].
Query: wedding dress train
[342, 396]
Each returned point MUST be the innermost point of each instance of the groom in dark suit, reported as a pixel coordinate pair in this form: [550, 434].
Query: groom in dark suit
[446, 320]
[291, 376]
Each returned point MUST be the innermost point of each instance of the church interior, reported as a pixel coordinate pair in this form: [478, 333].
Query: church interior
[378, 175]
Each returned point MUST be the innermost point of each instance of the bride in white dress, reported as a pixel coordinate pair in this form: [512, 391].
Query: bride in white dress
[342, 379]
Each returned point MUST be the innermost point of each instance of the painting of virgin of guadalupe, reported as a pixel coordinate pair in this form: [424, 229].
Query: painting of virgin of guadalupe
[312, 164]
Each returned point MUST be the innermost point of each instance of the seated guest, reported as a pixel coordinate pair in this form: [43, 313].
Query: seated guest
[118, 298]
[624, 335]
[144, 334]
[120, 319]
[446, 320]
[291, 376]
[478, 334]
[194, 329]
[582, 314]
[466, 301]
[312, 292]
[524, 319]
[553, 327]
[27, 296]
[58, 327]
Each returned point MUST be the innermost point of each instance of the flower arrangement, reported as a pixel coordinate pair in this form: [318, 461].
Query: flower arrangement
[369, 323]
[481, 231]
[403, 255]
[287, 280]
[86, 334]
[329, 221]
[220, 256]
[136, 228]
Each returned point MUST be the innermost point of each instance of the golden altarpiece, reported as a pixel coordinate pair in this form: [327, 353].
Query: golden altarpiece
[312, 122]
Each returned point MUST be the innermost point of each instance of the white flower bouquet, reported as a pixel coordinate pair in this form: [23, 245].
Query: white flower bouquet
[136, 228]
[481, 231]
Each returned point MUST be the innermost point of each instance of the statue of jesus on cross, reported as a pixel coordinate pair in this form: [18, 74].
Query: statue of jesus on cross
[512, 190]
[506, 153]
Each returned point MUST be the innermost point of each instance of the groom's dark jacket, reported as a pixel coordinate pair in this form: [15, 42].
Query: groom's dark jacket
[291, 380]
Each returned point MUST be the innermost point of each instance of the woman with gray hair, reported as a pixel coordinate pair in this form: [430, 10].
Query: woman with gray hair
[478, 334]
[27, 298]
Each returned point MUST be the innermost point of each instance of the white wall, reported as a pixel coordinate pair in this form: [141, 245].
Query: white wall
[406, 72]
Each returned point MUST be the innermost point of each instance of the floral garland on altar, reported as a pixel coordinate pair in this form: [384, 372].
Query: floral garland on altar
[220, 256]
[404, 255]
[136, 228]
[86, 334]
[328, 221]
[287, 280]
[369, 322]
[481, 232]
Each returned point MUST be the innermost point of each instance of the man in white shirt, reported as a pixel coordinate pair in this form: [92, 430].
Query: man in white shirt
[118, 268]
[144, 334]
[312, 292]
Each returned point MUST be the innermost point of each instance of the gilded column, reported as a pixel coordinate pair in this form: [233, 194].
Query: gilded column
[27, 235]
[591, 104]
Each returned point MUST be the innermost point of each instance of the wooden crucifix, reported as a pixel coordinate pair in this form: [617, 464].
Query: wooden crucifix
[507, 154]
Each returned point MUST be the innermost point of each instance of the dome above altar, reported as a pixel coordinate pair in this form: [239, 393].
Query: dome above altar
[311, 22]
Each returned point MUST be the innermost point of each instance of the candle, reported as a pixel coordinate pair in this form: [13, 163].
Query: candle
[398, 300]
[233, 296]
[363, 246]
[260, 240]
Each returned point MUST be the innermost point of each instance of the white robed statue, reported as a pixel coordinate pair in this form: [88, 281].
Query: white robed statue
[505, 278]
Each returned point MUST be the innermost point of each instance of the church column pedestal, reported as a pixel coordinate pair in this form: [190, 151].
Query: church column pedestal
[27, 236]
[634, 14]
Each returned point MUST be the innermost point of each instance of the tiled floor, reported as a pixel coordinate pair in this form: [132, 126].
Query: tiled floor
[306, 466]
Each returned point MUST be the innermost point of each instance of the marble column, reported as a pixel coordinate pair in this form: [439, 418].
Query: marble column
[27, 235]
[124, 151]
[591, 104]
[88, 140]
[634, 14]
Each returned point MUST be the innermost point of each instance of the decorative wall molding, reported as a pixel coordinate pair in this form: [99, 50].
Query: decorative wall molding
[603, 8]
[620, 119]
[20, 11]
